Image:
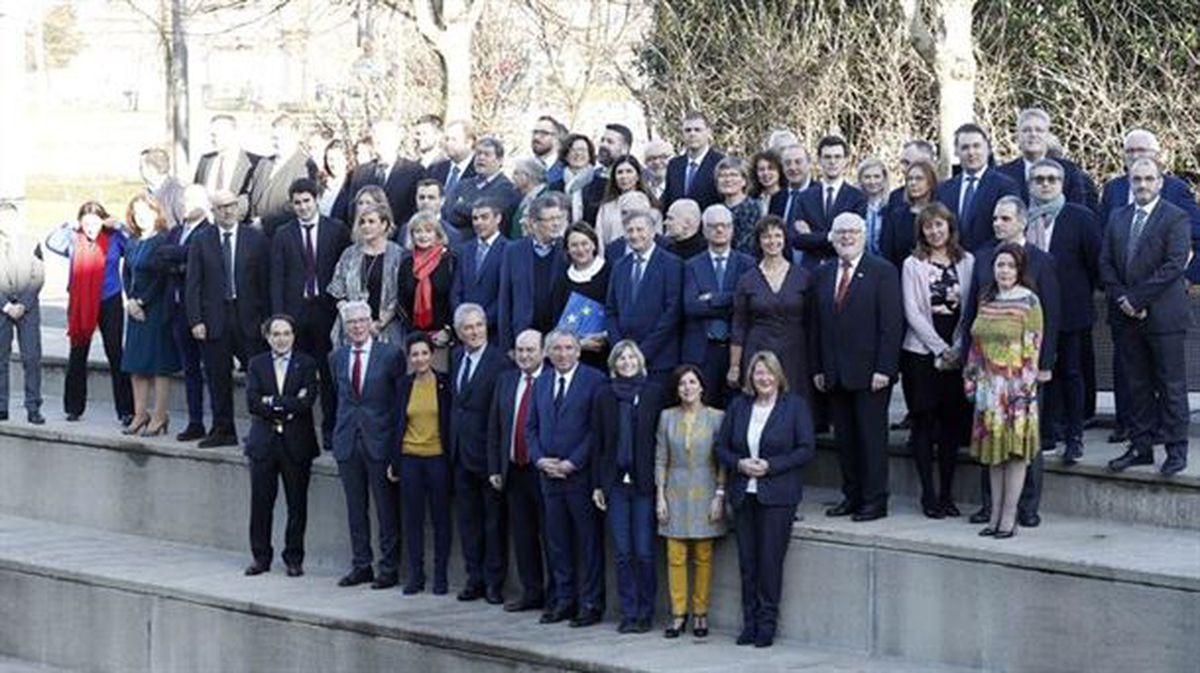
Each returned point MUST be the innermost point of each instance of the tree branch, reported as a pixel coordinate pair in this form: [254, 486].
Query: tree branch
[919, 36]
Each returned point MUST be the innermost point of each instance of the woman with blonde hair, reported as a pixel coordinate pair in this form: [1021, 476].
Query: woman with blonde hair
[367, 271]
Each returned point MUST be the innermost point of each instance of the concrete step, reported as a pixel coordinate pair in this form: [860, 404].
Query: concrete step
[10, 665]
[154, 598]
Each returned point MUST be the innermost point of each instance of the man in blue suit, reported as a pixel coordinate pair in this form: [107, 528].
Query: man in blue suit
[458, 142]
[856, 359]
[824, 200]
[797, 170]
[477, 275]
[1033, 139]
[1068, 232]
[530, 267]
[692, 175]
[644, 297]
[1142, 260]
[973, 193]
[365, 373]
[488, 182]
[708, 283]
[480, 507]
[560, 439]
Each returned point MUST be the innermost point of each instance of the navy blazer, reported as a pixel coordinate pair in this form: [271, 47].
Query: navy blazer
[606, 421]
[288, 263]
[205, 285]
[1078, 186]
[708, 318]
[899, 235]
[652, 319]
[849, 199]
[786, 444]
[370, 417]
[440, 171]
[1175, 191]
[565, 433]
[864, 336]
[501, 418]
[468, 191]
[1154, 278]
[174, 256]
[516, 287]
[290, 408]
[1040, 269]
[704, 183]
[977, 231]
[480, 285]
[404, 386]
[617, 248]
[1075, 247]
[779, 206]
[470, 407]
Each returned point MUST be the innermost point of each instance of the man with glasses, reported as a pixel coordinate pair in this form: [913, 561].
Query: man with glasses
[655, 156]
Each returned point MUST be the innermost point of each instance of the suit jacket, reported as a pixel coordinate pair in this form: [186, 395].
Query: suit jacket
[709, 318]
[1075, 247]
[1175, 191]
[480, 285]
[370, 417]
[205, 287]
[849, 199]
[704, 183]
[606, 421]
[174, 256]
[976, 231]
[269, 198]
[593, 195]
[516, 287]
[404, 386]
[652, 318]
[470, 407]
[288, 263]
[440, 171]
[501, 418]
[863, 337]
[1078, 186]
[786, 444]
[284, 415]
[567, 432]
[899, 237]
[1154, 278]
[468, 191]
[243, 170]
[1040, 268]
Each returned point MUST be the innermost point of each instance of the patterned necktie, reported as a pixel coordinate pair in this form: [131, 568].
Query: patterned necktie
[481, 252]
[1135, 232]
[843, 287]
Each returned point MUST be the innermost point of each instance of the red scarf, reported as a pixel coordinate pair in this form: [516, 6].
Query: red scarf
[88, 261]
[425, 262]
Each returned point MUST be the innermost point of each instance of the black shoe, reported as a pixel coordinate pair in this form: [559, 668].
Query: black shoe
[586, 617]
[987, 532]
[71, 418]
[1029, 519]
[949, 509]
[626, 626]
[385, 581]
[1072, 453]
[494, 596]
[700, 626]
[441, 587]
[214, 440]
[356, 577]
[933, 511]
[1005, 534]
[295, 570]
[1174, 464]
[557, 615]
[982, 515]
[191, 433]
[3, 415]
[676, 627]
[1118, 436]
[869, 514]
[412, 588]
[764, 639]
[843, 508]
[125, 419]
[257, 568]
[470, 593]
[524, 604]
[747, 636]
[642, 626]
[34, 417]
[1131, 457]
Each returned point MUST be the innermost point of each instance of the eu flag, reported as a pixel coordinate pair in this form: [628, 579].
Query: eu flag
[582, 316]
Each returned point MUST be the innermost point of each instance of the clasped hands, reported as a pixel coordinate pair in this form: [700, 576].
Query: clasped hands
[556, 468]
[753, 467]
[1127, 308]
[14, 310]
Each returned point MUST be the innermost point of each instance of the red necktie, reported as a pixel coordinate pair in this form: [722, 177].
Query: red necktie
[356, 373]
[520, 446]
[843, 287]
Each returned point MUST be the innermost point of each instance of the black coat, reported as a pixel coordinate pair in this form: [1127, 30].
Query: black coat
[288, 265]
[864, 336]
[471, 406]
[205, 288]
[606, 421]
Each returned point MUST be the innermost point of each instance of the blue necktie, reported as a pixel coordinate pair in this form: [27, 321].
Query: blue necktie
[828, 202]
[692, 167]
[466, 373]
[635, 285]
[480, 254]
[452, 179]
[793, 197]
[968, 200]
[719, 270]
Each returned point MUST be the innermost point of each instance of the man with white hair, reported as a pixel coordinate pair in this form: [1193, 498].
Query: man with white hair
[683, 234]
[860, 325]
[22, 275]
[1033, 139]
[655, 155]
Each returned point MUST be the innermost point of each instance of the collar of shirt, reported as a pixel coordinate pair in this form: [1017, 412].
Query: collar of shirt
[853, 264]
[1149, 207]
[365, 348]
[966, 174]
[464, 164]
[804, 187]
[311, 223]
[725, 254]
[836, 184]
[699, 159]
[645, 255]
[232, 239]
[485, 181]
[569, 376]
[491, 240]
[474, 356]
[286, 358]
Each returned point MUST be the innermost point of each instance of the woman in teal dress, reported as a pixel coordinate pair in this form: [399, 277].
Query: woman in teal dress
[150, 355]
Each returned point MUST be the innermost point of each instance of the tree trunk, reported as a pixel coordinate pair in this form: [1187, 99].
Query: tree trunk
[456, 56]
[14, 129]
[956, 69]
[177, 89]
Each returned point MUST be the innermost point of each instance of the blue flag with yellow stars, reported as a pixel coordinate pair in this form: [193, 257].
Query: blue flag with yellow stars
[582, 316]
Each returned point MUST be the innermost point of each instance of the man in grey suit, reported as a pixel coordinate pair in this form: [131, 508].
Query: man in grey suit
[364, 373]
[1142, 262]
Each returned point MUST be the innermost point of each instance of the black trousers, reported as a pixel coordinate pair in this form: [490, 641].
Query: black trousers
[763, 534]
[716, 364]
[860, 434]
[365, 479]
[191, 354]
[1066, 392]
[481, 524]
[1156, 375]
[523, 497]
[265, 475]
[218, 361]
[111, 326]
[313, 327]
[940, 416]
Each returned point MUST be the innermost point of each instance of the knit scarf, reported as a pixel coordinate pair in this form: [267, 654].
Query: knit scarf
[1035, 229]
[425, 262]
[88, 262]
[627, 389]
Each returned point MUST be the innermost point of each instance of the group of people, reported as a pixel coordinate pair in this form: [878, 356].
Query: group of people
[596, 344]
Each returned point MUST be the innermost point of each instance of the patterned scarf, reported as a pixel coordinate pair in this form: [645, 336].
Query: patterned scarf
[425, 262]
[88, 262]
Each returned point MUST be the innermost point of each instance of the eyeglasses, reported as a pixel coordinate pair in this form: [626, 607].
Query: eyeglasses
[1044, 179]
[847, 232]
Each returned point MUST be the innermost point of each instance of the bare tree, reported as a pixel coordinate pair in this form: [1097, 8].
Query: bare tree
[944, 39]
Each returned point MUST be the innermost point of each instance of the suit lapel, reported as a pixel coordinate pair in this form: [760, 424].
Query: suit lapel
[1152, 223]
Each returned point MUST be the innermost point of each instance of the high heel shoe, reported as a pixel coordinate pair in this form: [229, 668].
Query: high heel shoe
[156, 430]
[700, 626]
[1005, 534]
[678, 625]
[135, 426]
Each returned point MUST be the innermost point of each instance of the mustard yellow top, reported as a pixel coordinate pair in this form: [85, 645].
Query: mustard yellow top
[421, 434]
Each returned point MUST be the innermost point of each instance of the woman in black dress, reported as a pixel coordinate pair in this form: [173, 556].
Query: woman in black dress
[587, 274]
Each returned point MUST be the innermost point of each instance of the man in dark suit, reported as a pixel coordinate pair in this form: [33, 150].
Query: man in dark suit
[708, 283]
[174, 255]
[395, 173]
[856, 358]
[428, 139]
[1033, 139]
[1068, 232]
[481, 517]
[692, 175]
[488, 182]
[645, 295]
[227, 166]
[614, 144]
[477, 275]
[280, 387]
[824, 200]
[797, 171]
[560, 439]
[270, 205]
[227, 298]
[511, 471]
[1142, 262]
[458, 143]
[365, 373]
[1009, 221]
[530, 267]
[304, 253]
[973, 193]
